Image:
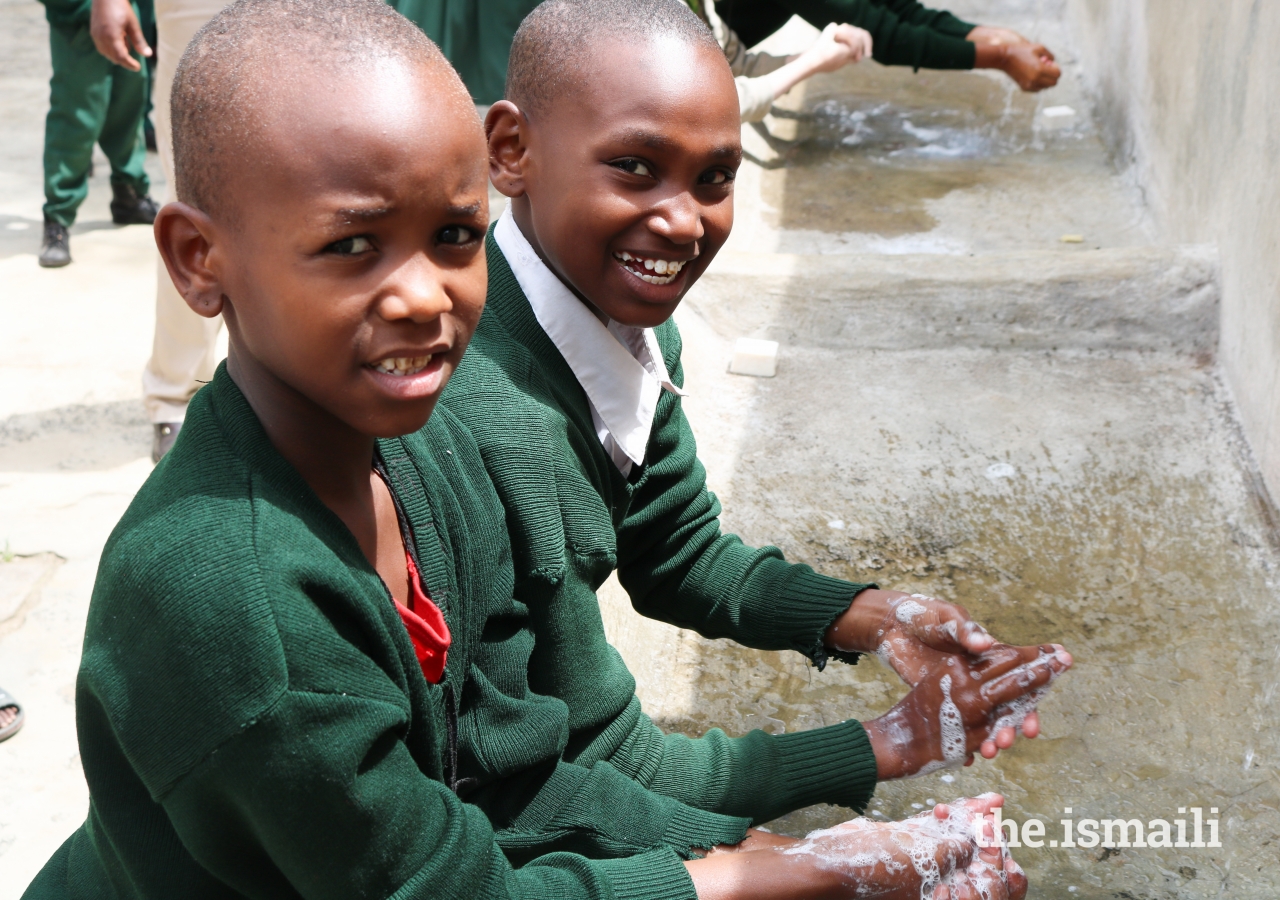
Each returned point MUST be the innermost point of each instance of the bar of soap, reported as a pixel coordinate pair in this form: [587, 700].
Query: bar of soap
[1072, 239]
[1057, 112]
[755, 357]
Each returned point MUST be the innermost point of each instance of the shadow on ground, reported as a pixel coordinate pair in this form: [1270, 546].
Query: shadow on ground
[76, 438]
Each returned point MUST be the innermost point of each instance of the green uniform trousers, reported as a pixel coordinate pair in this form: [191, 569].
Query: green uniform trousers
[474, 35]
[91, 100]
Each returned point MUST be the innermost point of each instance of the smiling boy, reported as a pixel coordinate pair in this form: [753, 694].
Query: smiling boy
[280, 693]
[302, 649]
[619, 156]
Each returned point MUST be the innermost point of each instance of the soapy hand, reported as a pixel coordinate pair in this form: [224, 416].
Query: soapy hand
[963, 705]
[951, 852]
[933, 855]
[913, 635]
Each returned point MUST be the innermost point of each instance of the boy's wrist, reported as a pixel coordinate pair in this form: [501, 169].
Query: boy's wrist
[889, 763]
[855, 630]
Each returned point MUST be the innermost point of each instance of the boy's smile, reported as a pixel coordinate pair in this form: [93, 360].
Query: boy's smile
[623, 183]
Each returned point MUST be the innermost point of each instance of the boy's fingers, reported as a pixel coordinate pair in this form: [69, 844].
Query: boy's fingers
[1031, 725]
[1022, 680]
[988, 749]
[1003, 658]
[1005, 737]
[1015, 878]
[952, 854]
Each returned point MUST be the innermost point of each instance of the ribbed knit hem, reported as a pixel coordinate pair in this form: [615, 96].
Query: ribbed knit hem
[833, 764]
[695, 829]
[808, 606]
[827, 765]
[656, 875]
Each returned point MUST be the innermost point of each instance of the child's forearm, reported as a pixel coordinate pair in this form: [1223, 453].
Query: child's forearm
[757, 875]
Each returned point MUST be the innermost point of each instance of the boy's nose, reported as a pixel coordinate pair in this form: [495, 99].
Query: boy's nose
[678, 219]
[416, 291]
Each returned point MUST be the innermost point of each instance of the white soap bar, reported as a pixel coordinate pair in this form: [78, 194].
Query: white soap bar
[1056, 112]
[755, 357]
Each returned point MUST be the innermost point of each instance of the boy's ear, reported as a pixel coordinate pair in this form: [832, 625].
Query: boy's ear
[184, 236]
[507, 130]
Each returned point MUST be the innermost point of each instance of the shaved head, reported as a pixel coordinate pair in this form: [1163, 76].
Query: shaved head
[254, 52]
[552, 47]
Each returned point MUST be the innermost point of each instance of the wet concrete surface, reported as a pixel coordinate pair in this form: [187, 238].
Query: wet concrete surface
[1075, 473]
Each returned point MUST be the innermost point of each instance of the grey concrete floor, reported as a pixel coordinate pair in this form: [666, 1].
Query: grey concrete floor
[965, 405]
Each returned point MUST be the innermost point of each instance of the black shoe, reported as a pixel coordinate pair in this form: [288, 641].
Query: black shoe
[166, 434]
[56, 249]
[127, 208]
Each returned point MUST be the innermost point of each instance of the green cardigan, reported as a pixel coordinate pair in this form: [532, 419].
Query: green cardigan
[573, 519]
[253, 721]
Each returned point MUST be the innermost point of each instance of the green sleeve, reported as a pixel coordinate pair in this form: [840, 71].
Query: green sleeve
[760, 776]
[903, 33]
[678, 567]
[939, 20]
[321, 799]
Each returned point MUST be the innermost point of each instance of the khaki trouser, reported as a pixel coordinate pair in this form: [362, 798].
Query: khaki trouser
[183, 353]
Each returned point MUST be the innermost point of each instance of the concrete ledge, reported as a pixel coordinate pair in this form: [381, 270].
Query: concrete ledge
[1147, 298]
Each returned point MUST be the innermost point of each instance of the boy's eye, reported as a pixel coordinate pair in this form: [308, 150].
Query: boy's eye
[717, 176]
[352, 246]
[634, 166]
[456, 234]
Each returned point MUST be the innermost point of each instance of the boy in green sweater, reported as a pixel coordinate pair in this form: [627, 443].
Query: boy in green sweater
[303, 649]
[619, 155]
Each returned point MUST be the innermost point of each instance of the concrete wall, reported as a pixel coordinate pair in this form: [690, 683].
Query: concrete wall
[1189, 95]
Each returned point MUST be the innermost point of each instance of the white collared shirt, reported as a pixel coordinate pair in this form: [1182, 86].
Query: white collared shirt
[619, 366]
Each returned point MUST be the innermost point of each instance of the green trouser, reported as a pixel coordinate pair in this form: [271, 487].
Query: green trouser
[474, 36]
[91, 100]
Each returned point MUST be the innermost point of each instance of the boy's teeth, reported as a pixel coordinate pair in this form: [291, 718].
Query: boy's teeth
[402, 365]
[665, 270]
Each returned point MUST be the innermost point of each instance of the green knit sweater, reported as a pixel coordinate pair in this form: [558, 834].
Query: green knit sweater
[253, 721]
[573, 519]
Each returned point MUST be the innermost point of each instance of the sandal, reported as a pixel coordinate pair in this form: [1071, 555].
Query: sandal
[10, 707]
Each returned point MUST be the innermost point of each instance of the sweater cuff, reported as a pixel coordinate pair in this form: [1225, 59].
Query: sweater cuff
[809, 606]
[656, 875]
[951, 25]
[828, 765]
[693, 829]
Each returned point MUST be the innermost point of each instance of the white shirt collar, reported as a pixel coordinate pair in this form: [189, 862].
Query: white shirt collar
[620, 367]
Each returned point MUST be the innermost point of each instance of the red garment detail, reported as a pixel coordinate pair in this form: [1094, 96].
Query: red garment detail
[426, 626]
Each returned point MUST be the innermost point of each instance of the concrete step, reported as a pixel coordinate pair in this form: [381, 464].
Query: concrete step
[1137, 298]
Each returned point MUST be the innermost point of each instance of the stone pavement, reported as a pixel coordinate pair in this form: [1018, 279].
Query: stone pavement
[965, 405]
[74, 445]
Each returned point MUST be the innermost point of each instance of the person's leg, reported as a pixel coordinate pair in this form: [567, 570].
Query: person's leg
[183, 351]
[78, 95]
[122, 142]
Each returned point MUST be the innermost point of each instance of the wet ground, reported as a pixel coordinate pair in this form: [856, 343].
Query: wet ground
[969, 407]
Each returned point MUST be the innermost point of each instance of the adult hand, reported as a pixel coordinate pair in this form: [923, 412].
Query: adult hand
[115, 29]
[962, 706]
